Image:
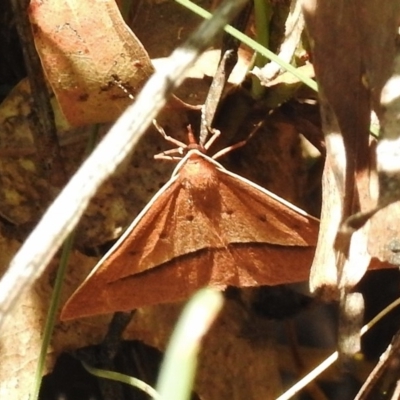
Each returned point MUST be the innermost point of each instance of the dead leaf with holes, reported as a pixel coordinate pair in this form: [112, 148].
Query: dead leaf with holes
[88, 53]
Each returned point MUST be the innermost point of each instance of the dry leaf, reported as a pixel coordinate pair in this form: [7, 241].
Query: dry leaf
[22, 334]
[348, 74]
[25, 193]
[87, 51]
[345, 36]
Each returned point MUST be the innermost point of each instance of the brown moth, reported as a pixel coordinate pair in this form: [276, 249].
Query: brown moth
[205, 227]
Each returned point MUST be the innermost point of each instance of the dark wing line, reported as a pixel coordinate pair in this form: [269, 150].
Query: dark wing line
[137, 230]
[271, 219]
[266, 192]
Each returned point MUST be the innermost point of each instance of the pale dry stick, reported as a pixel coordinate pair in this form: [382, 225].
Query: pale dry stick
[294, 27]
[396, 392]
[309, 377]
[65, 212]
[41, 120]
[334, 356]
[385, 360]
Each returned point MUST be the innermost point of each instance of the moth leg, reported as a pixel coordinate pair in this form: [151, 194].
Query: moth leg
[228, 149]
[215, 133]
[171, 154]
[168, 138]
[237, 145]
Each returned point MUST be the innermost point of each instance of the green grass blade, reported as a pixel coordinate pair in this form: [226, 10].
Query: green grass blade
[51, 315]
[252, 44]
[129, 380]
[179, 365]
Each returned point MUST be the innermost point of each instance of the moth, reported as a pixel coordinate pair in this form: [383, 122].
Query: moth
[205, 227]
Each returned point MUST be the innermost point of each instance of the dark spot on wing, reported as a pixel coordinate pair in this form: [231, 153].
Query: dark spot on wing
[190, 217]
[295, 226]
[83, 97]
[163, 236]
[262, 217]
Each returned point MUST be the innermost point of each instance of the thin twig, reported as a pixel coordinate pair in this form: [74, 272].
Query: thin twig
[65, 212]
[396, 392]
[227, 62]
[41, 120]
[334, 356]
[385, 359]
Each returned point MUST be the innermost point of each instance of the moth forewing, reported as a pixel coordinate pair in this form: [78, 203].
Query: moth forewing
[134, 223]
[269, 194]
[205, 226]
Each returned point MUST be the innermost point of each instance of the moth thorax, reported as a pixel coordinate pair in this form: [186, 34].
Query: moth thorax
[200, 178]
